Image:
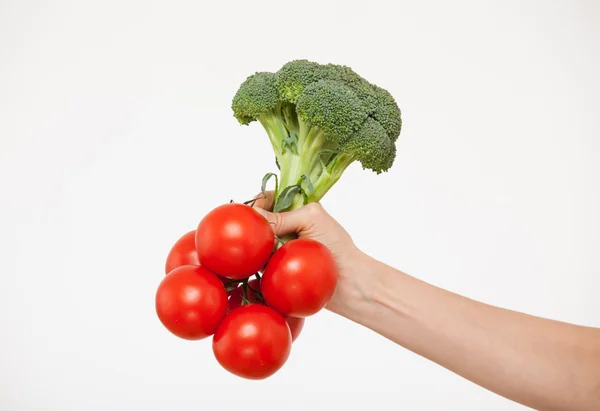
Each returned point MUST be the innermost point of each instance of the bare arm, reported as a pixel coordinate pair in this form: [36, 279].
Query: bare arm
[544, 364]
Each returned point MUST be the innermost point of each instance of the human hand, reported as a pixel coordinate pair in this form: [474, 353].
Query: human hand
[313, 222]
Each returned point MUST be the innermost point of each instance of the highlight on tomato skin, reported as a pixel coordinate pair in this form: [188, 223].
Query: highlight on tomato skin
[252, 342]
[183, 252]
[300, 278]
[191, 302]
[235, 300]
[234, 241]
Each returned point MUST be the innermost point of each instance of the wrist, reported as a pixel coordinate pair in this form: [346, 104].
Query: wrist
[369, 292]
[358, 286]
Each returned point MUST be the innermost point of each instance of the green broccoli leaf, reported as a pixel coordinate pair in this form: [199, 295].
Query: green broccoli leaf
[265, 180]
[309, 184]
[286, 198]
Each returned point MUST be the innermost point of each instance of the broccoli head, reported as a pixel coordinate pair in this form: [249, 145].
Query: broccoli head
[320, 118]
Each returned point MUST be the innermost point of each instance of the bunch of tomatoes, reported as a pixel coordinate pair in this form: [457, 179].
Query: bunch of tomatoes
[232, 279]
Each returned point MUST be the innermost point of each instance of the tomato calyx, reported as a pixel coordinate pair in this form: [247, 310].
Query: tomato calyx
[255, 292]
[247, 288]
[231, 285]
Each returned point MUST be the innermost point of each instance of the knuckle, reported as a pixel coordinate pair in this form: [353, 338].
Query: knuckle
[314, 209]
[277, 220]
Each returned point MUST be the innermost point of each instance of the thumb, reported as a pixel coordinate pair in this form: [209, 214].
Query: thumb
[284, 223]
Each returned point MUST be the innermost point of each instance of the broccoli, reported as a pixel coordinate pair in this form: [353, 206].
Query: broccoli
[319, 119]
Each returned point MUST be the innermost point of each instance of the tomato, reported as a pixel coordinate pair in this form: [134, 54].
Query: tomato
[300, 278]
[183, 252]
[296, 325]
[235, 300]
[234, 241]
[252, 342]
[191, 302]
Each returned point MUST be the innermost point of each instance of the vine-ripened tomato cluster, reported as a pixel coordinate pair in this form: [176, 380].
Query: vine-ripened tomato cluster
[208, 289]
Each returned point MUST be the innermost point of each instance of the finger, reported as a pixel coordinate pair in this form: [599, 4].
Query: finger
[287, 222]
[264, 202]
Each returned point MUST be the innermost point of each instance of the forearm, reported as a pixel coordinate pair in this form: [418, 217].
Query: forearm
[541, 363]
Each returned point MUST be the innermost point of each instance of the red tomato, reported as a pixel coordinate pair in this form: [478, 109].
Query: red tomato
[183, 252]
[191, 302]
[234, 241]
[300, 278]
[252, 342]
[235, 300]
[296, 325]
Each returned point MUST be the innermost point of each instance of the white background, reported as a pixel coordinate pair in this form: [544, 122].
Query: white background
[116, 136]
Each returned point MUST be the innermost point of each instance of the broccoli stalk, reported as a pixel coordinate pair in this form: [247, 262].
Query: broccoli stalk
[309, 163]
[319, 119]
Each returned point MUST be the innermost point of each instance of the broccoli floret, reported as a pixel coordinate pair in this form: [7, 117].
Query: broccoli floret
[256, 96]
[387, 113]
[371, 146]
[320, 119]
[332, 107]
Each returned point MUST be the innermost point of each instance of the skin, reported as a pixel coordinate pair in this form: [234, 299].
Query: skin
[537, 362]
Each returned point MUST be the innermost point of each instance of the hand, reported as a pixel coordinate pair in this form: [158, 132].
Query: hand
[537, 362]
[312, 221]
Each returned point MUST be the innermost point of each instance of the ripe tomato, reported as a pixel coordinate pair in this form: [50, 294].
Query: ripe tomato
[191, 302]
[183, 252]
[296, 325]
[234, 241]
[235, 300]
[300, 278]
[252, 342]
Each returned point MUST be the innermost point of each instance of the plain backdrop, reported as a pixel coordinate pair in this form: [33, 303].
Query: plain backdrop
[117, 136]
